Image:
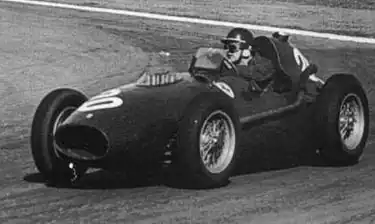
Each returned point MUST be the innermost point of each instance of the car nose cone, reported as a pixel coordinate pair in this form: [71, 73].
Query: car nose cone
[81, 142]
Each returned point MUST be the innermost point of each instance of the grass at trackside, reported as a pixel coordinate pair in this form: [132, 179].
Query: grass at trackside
[355, 17]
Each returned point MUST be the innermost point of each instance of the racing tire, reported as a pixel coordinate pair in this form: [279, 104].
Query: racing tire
[342, 120]
[53, 109]
[209, 111]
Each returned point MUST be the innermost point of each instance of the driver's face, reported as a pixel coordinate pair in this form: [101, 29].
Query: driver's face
[234, 57]
[233, 46]
[234, 51]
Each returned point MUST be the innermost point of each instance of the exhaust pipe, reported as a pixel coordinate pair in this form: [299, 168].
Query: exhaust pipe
[271, 115]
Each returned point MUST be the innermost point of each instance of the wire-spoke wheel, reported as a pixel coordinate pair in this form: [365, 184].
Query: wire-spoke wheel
[342, 119]
[207, 141]
[351, 121]
[217, 141]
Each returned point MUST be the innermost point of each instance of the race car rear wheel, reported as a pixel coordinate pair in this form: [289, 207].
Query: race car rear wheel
[208, 141]
[342, 120]
[51, 112]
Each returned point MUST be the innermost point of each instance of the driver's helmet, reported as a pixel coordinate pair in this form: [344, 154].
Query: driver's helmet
[238, 44]
[238, 39]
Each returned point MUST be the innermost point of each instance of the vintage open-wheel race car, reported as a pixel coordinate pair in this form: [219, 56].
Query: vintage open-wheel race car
[195, 117]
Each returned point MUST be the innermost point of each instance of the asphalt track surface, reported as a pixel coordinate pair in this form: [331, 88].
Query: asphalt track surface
[279, 179]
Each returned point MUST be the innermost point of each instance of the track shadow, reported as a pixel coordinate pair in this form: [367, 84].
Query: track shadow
[34, 178]
[99, 179]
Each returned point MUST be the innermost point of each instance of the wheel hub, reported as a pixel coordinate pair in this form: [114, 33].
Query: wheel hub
[351, 121]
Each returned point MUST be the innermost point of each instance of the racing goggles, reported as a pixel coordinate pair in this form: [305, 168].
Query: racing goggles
[233, 45]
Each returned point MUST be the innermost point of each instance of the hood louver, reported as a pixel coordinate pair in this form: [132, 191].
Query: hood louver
[158, 79]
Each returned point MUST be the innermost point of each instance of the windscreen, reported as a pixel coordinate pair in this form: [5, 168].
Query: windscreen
[209, 59]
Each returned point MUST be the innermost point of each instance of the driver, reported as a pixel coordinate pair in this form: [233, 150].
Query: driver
[250, 64]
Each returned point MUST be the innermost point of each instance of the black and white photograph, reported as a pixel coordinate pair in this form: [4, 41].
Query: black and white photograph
[187, 111]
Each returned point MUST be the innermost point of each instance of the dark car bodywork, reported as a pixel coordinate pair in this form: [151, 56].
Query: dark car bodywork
[132, 124]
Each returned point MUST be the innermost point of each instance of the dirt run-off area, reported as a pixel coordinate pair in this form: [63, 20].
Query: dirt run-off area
[279, 179]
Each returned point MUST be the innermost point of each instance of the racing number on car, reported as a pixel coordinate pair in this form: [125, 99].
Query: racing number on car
[300, 59]
[105, 100]
[109, 93]
[225, 88]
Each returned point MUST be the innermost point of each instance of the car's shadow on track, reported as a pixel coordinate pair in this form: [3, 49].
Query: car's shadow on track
[275, 146]
[99, 179]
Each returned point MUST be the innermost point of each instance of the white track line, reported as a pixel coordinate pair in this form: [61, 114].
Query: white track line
[199, 21]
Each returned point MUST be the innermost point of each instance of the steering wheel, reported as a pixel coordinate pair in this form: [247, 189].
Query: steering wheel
[230, 66]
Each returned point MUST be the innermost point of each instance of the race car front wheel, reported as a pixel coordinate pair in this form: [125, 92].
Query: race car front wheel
[51, 112]
[342, 120]
[208, 141]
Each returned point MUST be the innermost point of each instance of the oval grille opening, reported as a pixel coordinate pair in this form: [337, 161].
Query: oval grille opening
[82, 142]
